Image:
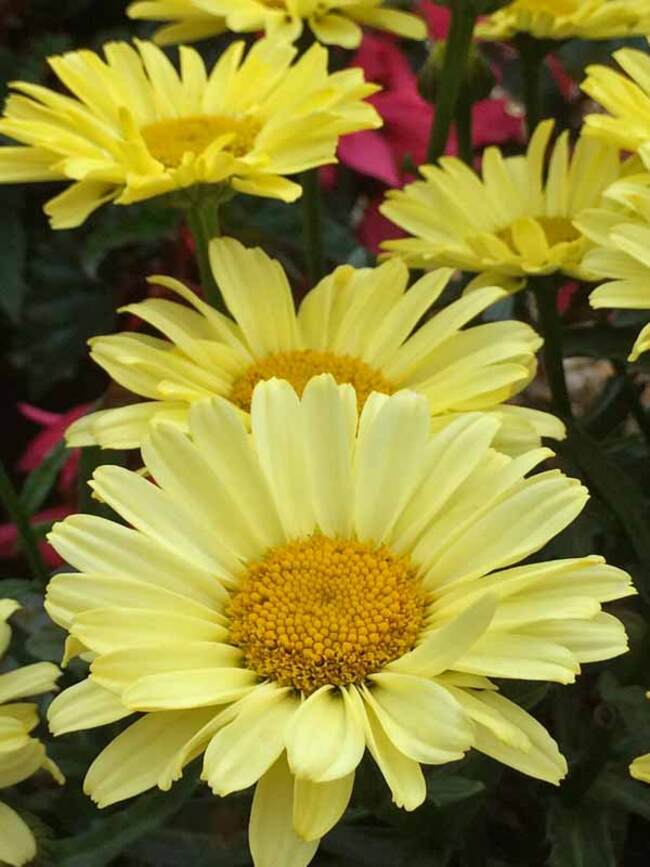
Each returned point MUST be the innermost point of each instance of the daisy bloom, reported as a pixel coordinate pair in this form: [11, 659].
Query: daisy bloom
[625, 98]
[514, 220]
[567, 19]
[333, 22]
[621, 256]
[356, 324]
[331, 581]
[134, 127]
[20, 754]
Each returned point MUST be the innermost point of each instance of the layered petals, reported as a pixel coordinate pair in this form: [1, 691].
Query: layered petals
[361, 325]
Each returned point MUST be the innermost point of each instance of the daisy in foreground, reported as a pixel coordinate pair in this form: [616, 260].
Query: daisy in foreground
[516, 220]
[134, 128]
[20, 754]
[334, 22]
[355, 324]
[622, 255]
[329, 583]
[567, 19]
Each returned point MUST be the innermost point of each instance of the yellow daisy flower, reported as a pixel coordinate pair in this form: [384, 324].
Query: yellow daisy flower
[567, 19]
[621, 256]
[329, 582]
[333, 22]
[626, 99]
[134, 128]
[356, 324]
[514, 220]
[20, 754]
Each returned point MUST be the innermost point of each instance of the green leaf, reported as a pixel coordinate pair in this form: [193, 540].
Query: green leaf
[620, 491]
[446, 789]
[13, 286]
[113, 835]
[47, 643]
[620, 790]
[40, 481]
[580, 836]
[21, 589]
[175, 847]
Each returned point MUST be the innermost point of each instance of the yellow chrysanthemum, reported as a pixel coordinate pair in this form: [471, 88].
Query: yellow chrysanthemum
[134, 128]
[329, 582]
[627, 101]
[334, 22]
[355, 324]
[621, 257]
[567, 19]
[515, 220]
[20, 754]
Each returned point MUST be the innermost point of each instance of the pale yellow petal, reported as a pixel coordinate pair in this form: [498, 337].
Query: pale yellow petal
[326, 738]
[17, 844]
[272, 837]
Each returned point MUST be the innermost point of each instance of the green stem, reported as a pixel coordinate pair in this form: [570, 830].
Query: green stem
[532, 53]
[464, 127]
[461, 29]
[550, 327]
[203, 223]
[312, 217]
[28, 540]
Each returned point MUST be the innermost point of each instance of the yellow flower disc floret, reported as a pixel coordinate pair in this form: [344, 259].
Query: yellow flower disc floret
[326, 611]
[299, 366]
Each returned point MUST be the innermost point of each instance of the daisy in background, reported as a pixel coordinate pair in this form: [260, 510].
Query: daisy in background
[625, 98]
[331, 581]
[20, 755]
[620, 231]
[515, 219]
[567, 19]
[333, 22]
[356, 324]
[135, 128]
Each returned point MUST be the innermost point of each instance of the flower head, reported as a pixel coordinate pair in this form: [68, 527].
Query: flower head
[626, 99]
[333, 22]
[135, 128]
[21, 755]
[355, 324]
[514, 220]
[567, 19]
[331, 581]
[620, 231]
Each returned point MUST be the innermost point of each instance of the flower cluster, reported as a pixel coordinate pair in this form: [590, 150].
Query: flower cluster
[21, 755]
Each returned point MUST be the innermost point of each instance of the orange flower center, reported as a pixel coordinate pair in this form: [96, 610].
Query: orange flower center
[299, 366]
[326, 611]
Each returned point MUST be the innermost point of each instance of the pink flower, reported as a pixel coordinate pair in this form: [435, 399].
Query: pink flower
[54, 425]
[380, 154]
[9, 536]
[437, 18]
